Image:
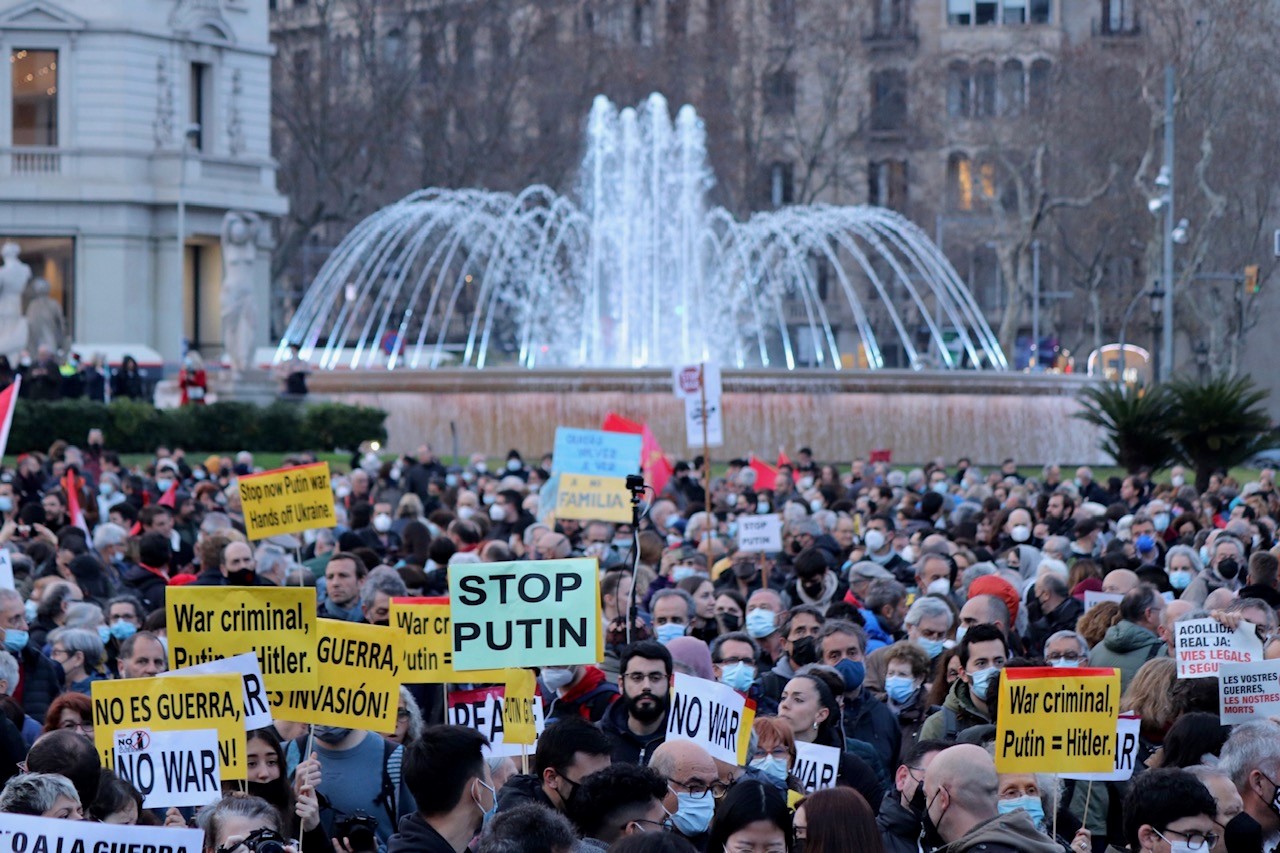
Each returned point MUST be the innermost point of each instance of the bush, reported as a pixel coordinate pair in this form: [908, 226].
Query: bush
[130, 426]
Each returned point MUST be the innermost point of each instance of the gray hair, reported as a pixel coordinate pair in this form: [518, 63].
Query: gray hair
[1226, 539]
[1069, 635]
[416, 726]
[83, 614]
[9, 596]
[842, 626]
[270, 557]
[676, 592]
[35, 793]
[251, 808]
[107, 534]
[928, 607]
[8, 670]
[80, 640]
[733, 637]
[55, 595]
[882, 592]
[1251, 746]
[132, 601]
[215, 522]
[382, 579]
[1205, 772]
[528, 827]
[1184, 551]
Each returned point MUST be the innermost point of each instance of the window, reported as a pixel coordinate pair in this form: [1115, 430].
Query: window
[984, 90]
[1038, 99]
[393, 49]
[642, 23]
[197, 105]
[958, 83]
[891, 15]
[781, 184]
[1013, 92]
[1119, 16]
[52, 259]
[301, 60]
[780, 93]
[1015, 11]
[887, 184]
[969, 13]
[1041, 11]
[34, 89]
[960, 181]
[888, 100]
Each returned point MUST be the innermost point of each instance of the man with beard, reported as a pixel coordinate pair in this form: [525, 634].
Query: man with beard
[638, 724]
[446, 771]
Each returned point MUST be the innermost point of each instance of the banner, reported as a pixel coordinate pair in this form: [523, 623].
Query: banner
[695, 414]
[759, 533]
[170, 768]
[712, 715]
[6, 571]
[685, 381]
[426, 645]
[521, 707]
[817, 766]
[595, 452]
[207, 623]
[180, 703]
[524, 614]
[25, 834]
[1093, 597]
[287, 500]
[1055, 720]
[1126, 749]
[257, 711]
[359, 683]
[584, 497]
[1203, 645]
[484, 710]
[1248, 691]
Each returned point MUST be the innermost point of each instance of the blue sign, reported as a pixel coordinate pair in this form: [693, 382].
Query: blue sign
[595, 452]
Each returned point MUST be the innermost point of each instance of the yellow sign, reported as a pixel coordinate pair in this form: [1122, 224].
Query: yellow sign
[287, 500]
[360, 678]
[1057, 720]
[582, 496]
[174, 703]
[517, 707]
[426, 647]
[277, 623]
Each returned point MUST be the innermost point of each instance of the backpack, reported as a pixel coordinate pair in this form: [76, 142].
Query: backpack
[389, 794]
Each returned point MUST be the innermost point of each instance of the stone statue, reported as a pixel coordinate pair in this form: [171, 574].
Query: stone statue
[14, 275]
[46, 325]
[239, 252]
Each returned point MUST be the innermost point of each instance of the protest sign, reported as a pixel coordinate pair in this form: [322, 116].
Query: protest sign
[816, 766]
[1092, 598]
[694, 414]
[426, 647]
[1126, 750]
[685, 378]
[519, 719]
[585, 497]
[1055, 720]
[527, 613]
[712, 715]
[759, 533]
[595, 452]
[359, 684]
[257, 712]
[278, 624]
[1248, 691]
[6, 571]
[26, 834]
[287, 500]
[484, 710]
[170, 768]
[1203, 645]
[180, 703]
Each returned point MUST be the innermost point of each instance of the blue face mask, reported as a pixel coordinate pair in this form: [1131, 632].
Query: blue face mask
[668, 632]
[104, 634]
[774, 769]
[900, 688]
[487, 815]
[738, 675]
[981, 680]
[1031, 805]
[853, 672]
[6, 504]
[15, 640]
[163, 484]
[123, 630]
[761, 623]
[693, 816]
[932, 648]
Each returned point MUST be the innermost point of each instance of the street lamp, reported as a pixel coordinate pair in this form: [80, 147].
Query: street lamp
[1156, 295]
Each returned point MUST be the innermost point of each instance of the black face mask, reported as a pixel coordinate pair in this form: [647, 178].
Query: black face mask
[1034, 611]
[804, 651]
[796, 547]
[244, 577]
[1228, 568]
[930, 839]
[730, 621]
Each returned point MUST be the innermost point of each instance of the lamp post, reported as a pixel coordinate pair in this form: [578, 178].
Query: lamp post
[1158, 304]
[189, 135]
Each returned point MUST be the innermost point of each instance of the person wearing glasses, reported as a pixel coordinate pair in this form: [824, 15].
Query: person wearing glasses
[1169, 811]
[616, 802]
[693, 786]
[901, 808]
[1066, 649]
[637, 724]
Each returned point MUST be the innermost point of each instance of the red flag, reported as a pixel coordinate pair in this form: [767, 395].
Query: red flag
[617, 423]
[653, 461]
[783, 458]
[883, 454]
[74, 512]
[170, 497]
[766, 474]
[8, 401]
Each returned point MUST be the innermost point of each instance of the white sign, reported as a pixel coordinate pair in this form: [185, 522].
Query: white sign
[693, 417]
[170, 768]
[684, 380]
[481, 710]
[711, 715]
[1203, 645]
[757, 533]
[1126, 750]
[6, 571]
[1248, 691]
[1092, 598]
[23, 833]
[257, 712]
[817, 766]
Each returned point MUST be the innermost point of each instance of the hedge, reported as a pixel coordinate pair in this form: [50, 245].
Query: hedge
[133, 427]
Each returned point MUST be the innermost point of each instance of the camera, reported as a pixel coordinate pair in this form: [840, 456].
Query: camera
[264, 841]
[360, 830]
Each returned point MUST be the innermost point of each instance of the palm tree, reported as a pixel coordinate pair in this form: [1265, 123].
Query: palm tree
[1218, 423]
[1135, 424]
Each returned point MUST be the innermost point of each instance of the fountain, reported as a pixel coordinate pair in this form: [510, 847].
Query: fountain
[844, 327]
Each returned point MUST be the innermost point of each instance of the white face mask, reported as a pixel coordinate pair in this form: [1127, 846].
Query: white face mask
[1020, 533]
[1178, 481]
[909, 554]
[382, 522]
[465, 512]
[497, 513]
[874, 540]
[939, 586]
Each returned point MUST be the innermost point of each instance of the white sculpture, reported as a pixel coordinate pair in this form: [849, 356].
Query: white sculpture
[47, 326]
[14, 275]
[239, 252]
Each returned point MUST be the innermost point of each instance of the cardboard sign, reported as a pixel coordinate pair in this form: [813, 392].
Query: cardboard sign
[520, 707]
[1092, 598]
[26, 834]
[287, 500]
[207, 623]
[712, 715]
[257, 712]
[685, 381]
[759, 533]
[584, 497]
[525, 614]
[484, 710]
[6, 571]
[426, 644]
[1203, 645]
[1056, 720]
[180, 703]
[595, 452]
[170, 768]
[1126, 750]
[695, 414]
[1248, 691]
[359, 684]
[817, 766]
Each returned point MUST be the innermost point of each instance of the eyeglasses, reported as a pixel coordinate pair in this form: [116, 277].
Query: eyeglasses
[1196, 840]
[698, 791]
[1071, 656]
[732, 661]
[779, 752]
[639, 678]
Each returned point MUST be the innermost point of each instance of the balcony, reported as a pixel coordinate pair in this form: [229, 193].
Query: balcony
[1117, 29]
[892, 36]
[32, 161]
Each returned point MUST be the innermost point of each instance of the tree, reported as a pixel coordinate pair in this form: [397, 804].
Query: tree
[1134, 423]
[1217, 424]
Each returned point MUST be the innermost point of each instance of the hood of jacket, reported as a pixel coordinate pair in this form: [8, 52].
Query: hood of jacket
[592, 677]
[1124, 637]
[960, 700]
[1014, 830]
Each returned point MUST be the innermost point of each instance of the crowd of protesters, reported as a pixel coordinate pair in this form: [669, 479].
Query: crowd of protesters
[879, 629]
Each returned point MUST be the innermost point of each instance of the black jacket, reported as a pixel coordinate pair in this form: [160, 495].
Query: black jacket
[148, 586]
[1063, 618]
[417, 836]
[522, 789]
[867, 719]
[1269, 594]
[629, 747]
[42, 681]
[899, 827]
